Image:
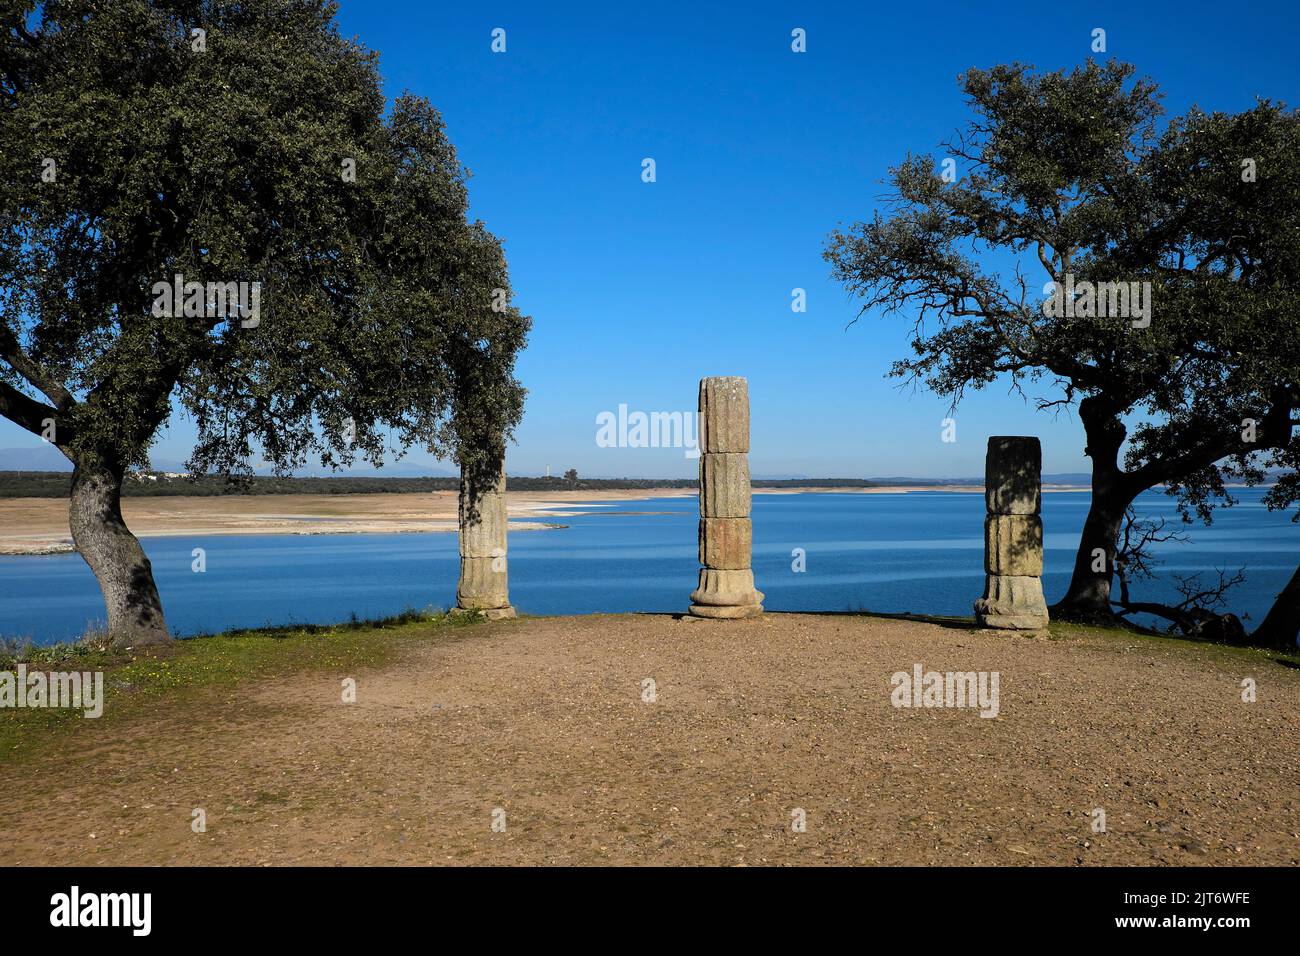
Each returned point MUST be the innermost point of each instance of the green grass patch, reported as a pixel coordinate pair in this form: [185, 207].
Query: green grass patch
[133, 679]
[1213, 650]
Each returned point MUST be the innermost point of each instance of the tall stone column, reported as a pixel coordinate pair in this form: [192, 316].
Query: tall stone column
[726, 587]
[484, 585]
[1013, 536]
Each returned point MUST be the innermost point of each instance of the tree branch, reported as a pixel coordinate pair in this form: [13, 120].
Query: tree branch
[33, 371]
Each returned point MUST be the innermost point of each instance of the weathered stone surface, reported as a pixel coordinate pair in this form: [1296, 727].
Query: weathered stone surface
[724, 486]
[724, 415]
[1013, 536]
[484, 536]
[482, 585]
[1012, 602]
[1013, 545]
[482, 514]
[726, 588]
[728, 612]
[1013, 475]
[726, 543]
[497, 486]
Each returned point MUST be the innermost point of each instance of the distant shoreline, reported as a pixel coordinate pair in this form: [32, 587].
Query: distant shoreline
[39, 526]
[163, 484]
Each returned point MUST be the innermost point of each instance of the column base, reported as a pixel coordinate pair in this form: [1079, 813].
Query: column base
[491, 613]
[1012, 603]
[725, 613]
[1012, 622]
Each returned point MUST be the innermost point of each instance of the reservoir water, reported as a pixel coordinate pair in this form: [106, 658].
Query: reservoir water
[919, 552]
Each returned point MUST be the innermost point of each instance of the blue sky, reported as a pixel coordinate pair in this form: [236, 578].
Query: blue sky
[639, 289]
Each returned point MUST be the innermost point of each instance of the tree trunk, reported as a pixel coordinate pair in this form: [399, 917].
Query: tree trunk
[1281, 627]
[1088, 597]
[135, 615]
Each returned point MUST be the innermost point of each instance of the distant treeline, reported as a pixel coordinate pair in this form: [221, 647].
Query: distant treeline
[55, 484]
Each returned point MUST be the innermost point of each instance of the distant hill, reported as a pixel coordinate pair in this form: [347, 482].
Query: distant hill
[46, 458]
[1061, 478]
[1069, 478]
[54, 484]
[40, 458]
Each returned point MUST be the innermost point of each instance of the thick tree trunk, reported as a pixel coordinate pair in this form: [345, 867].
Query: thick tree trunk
[1281, 627]
[135, 615]
[1088, 597]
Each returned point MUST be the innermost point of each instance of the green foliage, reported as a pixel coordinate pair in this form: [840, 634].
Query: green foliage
[1066, 173]
[1223, 221]
[377, 329]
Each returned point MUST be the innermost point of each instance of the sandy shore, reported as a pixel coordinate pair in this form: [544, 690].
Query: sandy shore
[40, 525]
[546, 723]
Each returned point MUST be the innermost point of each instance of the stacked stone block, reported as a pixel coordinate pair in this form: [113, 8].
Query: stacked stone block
[726, 585]
[1013, 536]
[484, 584]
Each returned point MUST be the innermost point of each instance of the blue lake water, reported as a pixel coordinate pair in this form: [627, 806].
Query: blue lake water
[920, 552]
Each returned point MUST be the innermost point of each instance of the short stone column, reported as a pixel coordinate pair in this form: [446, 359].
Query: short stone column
[484, 584]
[1013, 536]
[726, 587]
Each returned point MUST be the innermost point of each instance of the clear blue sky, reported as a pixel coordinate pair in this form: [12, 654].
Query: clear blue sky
[637, 290]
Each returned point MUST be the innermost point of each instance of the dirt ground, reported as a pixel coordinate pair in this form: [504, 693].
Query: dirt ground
[541, 724]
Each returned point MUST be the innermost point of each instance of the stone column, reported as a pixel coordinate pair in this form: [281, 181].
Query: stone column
[1013, 536]
[726, 536]
[483, 585]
